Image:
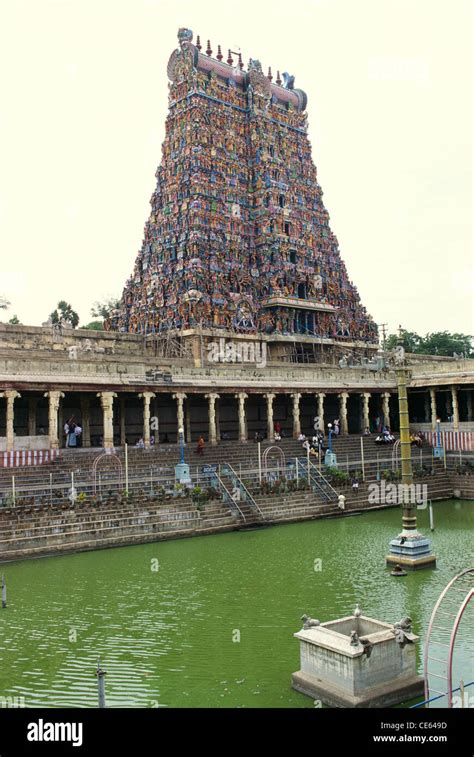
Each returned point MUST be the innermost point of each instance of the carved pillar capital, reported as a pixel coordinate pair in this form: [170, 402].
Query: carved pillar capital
[180, 396]
[11, 395]
[147, 397]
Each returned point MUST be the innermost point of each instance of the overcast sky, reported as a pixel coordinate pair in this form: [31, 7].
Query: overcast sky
[83, 101]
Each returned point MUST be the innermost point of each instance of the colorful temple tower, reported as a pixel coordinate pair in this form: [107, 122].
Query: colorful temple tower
[238, 240]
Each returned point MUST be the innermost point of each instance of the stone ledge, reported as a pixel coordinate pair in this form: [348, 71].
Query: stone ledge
[385, 695]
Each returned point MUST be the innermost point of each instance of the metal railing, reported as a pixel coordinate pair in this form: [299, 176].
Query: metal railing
[49, 488]
[318, 481]
[216, 481]
[237, 482]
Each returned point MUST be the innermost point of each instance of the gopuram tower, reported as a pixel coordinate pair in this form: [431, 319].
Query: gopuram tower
[238, 242]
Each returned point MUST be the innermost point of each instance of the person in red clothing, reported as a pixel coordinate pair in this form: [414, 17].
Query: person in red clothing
[200, 446]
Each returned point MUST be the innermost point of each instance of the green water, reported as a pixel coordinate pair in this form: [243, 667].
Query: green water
[169, 637]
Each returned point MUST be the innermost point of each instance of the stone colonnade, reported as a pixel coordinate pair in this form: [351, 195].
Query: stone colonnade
[451, 406]
[183, 412]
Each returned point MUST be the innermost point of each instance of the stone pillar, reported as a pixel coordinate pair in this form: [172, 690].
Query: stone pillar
[427, 408]
[53, 407]
[296, 414]
[107, 403]
[180, 397]
[187, 419]
[86, 420]
[218, 421]
[123, 430]
[270, 430]
[241, 397]
[32, 403]
[146, 397]
[469, 404]
[321, 397]
[433, 409]
[365, 410]
[454, 399]
[386, 408]
[10, 396]
[212, 397]
[343, 412]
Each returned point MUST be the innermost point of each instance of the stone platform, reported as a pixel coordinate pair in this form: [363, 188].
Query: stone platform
[358, 662]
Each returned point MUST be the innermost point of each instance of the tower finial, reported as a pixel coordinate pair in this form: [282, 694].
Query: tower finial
[219, 55]
[278, 79]
[198, 43]
[270, 75]
[230, 59]
[209, 50]
[241, 63]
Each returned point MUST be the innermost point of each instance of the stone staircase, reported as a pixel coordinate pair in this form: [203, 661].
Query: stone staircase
[163, 458]
[28, 532]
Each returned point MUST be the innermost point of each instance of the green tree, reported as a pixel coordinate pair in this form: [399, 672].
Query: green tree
[64, 315]
[104, 309]
[410, 340]
[4, 303]
[441, 343]
[14, 321]
[94, 326]
[446, 344]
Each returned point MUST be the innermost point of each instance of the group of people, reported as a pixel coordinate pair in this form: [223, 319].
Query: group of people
[141, 442]
[73, 433]
[385, 436]
[314, 445]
